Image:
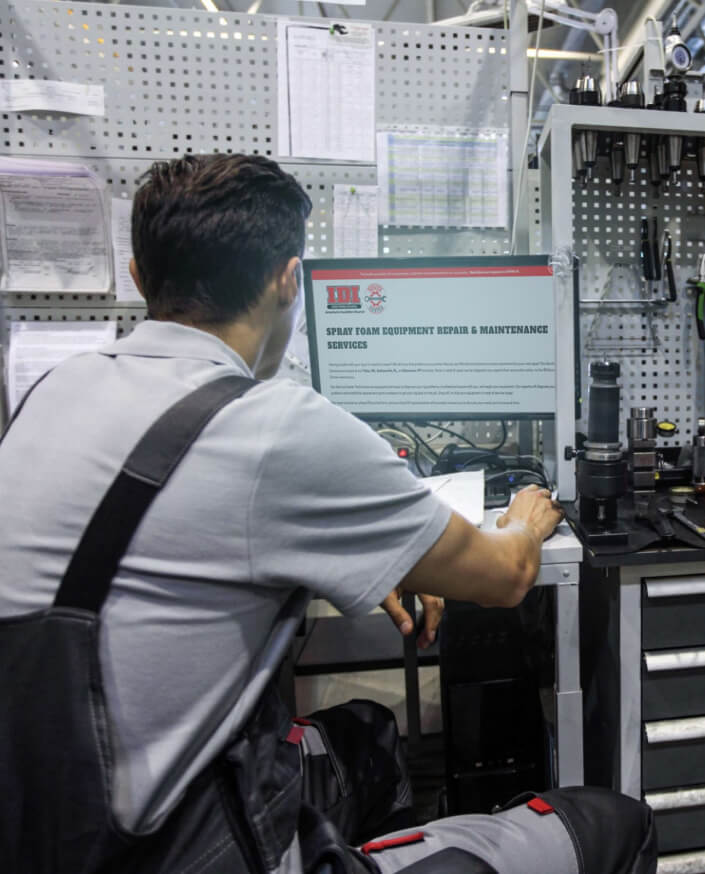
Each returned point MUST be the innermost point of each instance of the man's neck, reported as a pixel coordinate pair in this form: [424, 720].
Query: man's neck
[240, 336]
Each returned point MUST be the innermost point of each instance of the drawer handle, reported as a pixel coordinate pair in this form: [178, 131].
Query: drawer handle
[672, 587]
[675, 799]
[664, 731]
[682, 863]
[675, 660]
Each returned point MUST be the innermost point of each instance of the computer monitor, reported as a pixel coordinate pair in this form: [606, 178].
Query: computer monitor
[433, 339]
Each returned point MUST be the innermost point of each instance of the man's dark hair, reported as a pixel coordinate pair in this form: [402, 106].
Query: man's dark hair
[209, 232]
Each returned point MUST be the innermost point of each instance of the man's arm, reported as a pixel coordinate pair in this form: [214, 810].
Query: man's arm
[491, 568]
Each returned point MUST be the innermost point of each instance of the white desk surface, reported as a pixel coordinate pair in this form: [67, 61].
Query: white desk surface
[564, 547]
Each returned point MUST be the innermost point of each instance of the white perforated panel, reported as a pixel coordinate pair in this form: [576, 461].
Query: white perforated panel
[180, 81]
[657, 347]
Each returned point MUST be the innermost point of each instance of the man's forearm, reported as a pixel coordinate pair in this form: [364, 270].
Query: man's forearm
[492, 568]
[521, 554]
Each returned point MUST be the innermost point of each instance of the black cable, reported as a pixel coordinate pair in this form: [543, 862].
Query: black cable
[519, 472]
[493, 456]
[420, 440]
[504, 436]
[453, 433]
[422, 472]
[417, 460]
[467, 439]
[539, 466]
[417, 456]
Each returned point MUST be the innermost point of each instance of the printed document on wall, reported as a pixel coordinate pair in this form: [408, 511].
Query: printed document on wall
[53, 228]
[435, 176]
[326, 91]
[47, 95]
[355, 221]
[36, 347]
[121, 230]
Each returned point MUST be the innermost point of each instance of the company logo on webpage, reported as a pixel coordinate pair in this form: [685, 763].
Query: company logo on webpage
[343, 297]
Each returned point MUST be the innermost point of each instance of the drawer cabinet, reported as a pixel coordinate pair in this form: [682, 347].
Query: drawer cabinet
[642, 633]
[672, 758]
[673, 622]
[672, 675]
[680, 829]
[673, 693]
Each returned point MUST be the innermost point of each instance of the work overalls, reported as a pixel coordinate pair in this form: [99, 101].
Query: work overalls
[243, 814]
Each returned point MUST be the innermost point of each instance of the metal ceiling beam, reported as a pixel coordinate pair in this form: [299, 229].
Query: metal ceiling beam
[595, 38]
[547, 85]
[390, 11]
[633, 41]
[697, 11]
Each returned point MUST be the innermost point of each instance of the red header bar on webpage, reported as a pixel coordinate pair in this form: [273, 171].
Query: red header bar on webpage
[434, 272]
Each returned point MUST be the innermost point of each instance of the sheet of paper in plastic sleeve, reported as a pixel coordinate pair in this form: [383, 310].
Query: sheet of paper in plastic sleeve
[121, 232]
[326, 90]
[355, 221]
[434, 176]
[53, 228]
[45, 95]
[36, 347]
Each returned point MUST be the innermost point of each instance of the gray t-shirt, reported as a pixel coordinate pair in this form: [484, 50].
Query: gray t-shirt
[281, 489]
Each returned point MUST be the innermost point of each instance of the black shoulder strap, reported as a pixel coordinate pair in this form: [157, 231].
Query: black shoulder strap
[150, 464]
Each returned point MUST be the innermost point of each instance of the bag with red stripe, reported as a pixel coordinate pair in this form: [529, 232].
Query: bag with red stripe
[355, 776]
[577, 830]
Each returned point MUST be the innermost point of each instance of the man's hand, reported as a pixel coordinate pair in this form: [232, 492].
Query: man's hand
[432, 613]
[533, 508]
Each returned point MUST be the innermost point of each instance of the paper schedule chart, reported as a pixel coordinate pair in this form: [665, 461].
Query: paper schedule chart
[435, 176]
[326, 91]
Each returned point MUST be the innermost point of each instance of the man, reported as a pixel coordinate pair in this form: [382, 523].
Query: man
[263, 502]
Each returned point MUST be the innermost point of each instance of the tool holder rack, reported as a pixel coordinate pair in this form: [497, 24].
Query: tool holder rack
[656, 345]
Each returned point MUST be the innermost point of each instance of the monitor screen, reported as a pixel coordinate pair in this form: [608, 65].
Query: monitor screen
[433, 338]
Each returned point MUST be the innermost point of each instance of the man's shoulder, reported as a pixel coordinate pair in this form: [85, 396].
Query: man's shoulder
[285, 394]
[286, 400]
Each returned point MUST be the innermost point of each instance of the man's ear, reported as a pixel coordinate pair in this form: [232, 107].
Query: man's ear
[135, 276]
[291, 280]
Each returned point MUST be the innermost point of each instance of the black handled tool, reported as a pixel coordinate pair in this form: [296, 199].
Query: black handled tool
[655, 248]
[667, 250]
[657, 513]
[647, 252]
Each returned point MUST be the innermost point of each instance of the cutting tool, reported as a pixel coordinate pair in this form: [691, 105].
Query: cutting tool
[669, 278]
[698, 285]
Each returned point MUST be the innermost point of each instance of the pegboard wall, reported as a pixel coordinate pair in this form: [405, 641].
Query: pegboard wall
[179, 81]
[656, 345]
[189, 81]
